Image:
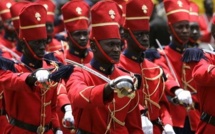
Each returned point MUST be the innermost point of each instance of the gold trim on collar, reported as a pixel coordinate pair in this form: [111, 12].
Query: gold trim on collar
[4, 11]
[76, 18]
[138, 18]
[105, 24]
[33, 26]
[176, 11]
[15, 18]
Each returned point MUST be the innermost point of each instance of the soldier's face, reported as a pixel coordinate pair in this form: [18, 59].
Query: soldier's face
[142, 37]
[194, 31]
[112, 47]
[182, 30]
[81, 37]
[38, 47]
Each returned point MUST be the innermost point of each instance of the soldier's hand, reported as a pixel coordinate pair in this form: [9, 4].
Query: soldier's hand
[168, 129]
[68, 119]
[42, 75]
[184, 96]
[147, 125]
[124, 83]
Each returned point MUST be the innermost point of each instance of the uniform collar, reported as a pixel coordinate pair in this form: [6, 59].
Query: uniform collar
[105, 69]
[134, 56]
[177, 48]
[79, 54]
[31, 63]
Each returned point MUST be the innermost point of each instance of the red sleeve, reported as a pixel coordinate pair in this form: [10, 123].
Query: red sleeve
[60, 56]
[62, 96]
[204, 72]
[10, 80]
[80, 94]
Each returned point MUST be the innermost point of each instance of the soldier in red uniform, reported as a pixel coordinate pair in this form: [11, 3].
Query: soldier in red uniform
[76, 15]
[52, 43]
[3, 120]
[194, 25]
[122, 4]
[98, 107]
[203, 75]
[40, 112]
[153, 81]
[9, 37]
[14, 11]
[179, 83]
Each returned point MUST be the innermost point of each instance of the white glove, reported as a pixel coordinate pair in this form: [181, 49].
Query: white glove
[59, 132]
[147, 125]
[42, 75]
[184, 96]
[68, 117]
[122, 82]
[168, 129]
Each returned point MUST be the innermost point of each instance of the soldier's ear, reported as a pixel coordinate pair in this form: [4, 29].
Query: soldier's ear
[93, 46]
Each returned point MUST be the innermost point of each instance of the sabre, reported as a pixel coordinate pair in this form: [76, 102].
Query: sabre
[211, 48]
[89, 70]
[168, 63]
[11, 52]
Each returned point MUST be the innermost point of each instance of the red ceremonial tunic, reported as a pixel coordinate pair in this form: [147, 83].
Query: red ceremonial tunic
[152, 90]
[184, 77]
[204, 76]
[92, 114]
[56, 96]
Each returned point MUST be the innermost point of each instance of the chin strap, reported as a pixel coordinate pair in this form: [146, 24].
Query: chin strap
[103, 53]
[31, 51]
[75, 42]
[135, 40]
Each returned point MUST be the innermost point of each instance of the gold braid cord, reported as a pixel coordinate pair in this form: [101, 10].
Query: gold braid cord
[146, 91]
[186, 82]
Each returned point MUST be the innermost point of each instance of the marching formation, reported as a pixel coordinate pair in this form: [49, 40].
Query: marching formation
[104, 68]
